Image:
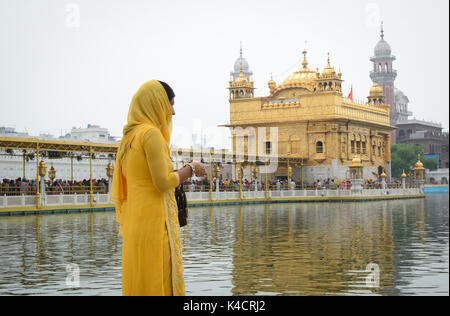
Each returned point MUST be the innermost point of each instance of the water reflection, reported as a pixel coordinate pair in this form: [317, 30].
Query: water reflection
[36, 250]
[312, 249]
[319, 249]
[276, 249]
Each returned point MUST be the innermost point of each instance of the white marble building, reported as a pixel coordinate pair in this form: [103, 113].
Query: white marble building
[92, 133]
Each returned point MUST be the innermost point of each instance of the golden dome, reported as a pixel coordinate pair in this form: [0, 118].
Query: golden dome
[404, 175]
[328, 71]
[303, 78]
[271, 82]
[383, 175]
[241, 80]
[376, 90]
[356, 162]
[419, 164]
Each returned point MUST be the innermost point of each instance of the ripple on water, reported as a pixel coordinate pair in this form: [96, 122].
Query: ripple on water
[277, 249]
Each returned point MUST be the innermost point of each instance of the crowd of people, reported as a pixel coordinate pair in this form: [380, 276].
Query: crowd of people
[279, 184]
[25, 186]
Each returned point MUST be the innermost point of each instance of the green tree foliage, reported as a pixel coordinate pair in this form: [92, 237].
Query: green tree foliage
[404, 157]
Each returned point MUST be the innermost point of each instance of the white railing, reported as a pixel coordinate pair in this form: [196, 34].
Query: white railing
[84, 199]
[249, 195]
[53, 200]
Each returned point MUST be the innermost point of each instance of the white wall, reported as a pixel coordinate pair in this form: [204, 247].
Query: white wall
[11, 168]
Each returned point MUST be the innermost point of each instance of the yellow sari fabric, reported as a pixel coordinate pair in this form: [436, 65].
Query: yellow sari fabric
[143, 191]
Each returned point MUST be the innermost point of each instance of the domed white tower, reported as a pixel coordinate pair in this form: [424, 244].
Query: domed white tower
[384, 74]
[241, 86]
[241, 62]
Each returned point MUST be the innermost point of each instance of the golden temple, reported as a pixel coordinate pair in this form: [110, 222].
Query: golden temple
[319, 131]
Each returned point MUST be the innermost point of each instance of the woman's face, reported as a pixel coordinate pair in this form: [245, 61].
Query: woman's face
[172, 102]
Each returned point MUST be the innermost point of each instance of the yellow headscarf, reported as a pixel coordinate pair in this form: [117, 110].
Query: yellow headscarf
[150, 107]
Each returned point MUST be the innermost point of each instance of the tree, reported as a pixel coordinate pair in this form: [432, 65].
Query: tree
[404, 157]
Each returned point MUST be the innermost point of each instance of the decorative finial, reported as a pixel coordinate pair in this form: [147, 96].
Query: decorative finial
[382, 31]
[305, 62]
[328, 60]
[241, 49]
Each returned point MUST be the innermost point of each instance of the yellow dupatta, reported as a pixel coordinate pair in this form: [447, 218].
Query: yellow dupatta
[150, 106]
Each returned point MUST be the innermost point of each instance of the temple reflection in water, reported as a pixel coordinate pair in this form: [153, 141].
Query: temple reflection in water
[311, 250]
[276, 249]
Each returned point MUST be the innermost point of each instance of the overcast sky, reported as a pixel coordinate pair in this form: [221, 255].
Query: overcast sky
[71, 63]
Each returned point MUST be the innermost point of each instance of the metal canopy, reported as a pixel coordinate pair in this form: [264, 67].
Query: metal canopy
[55, 145]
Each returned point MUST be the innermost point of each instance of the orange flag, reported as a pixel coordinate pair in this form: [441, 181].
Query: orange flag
[350, 95]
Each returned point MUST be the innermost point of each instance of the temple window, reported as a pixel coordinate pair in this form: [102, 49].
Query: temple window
[319, 147]
[363, 148]
[353, 146]
[268, 147]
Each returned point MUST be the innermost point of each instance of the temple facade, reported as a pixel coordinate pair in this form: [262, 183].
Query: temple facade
[318, 130]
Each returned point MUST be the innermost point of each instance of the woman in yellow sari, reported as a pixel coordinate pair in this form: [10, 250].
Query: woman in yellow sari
[143, 191]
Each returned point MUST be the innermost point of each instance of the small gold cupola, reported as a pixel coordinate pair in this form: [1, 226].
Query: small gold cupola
[376, 95]
[272, 84]
[329, 71]
[419, 170]
[329, 80]
[404, 174]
